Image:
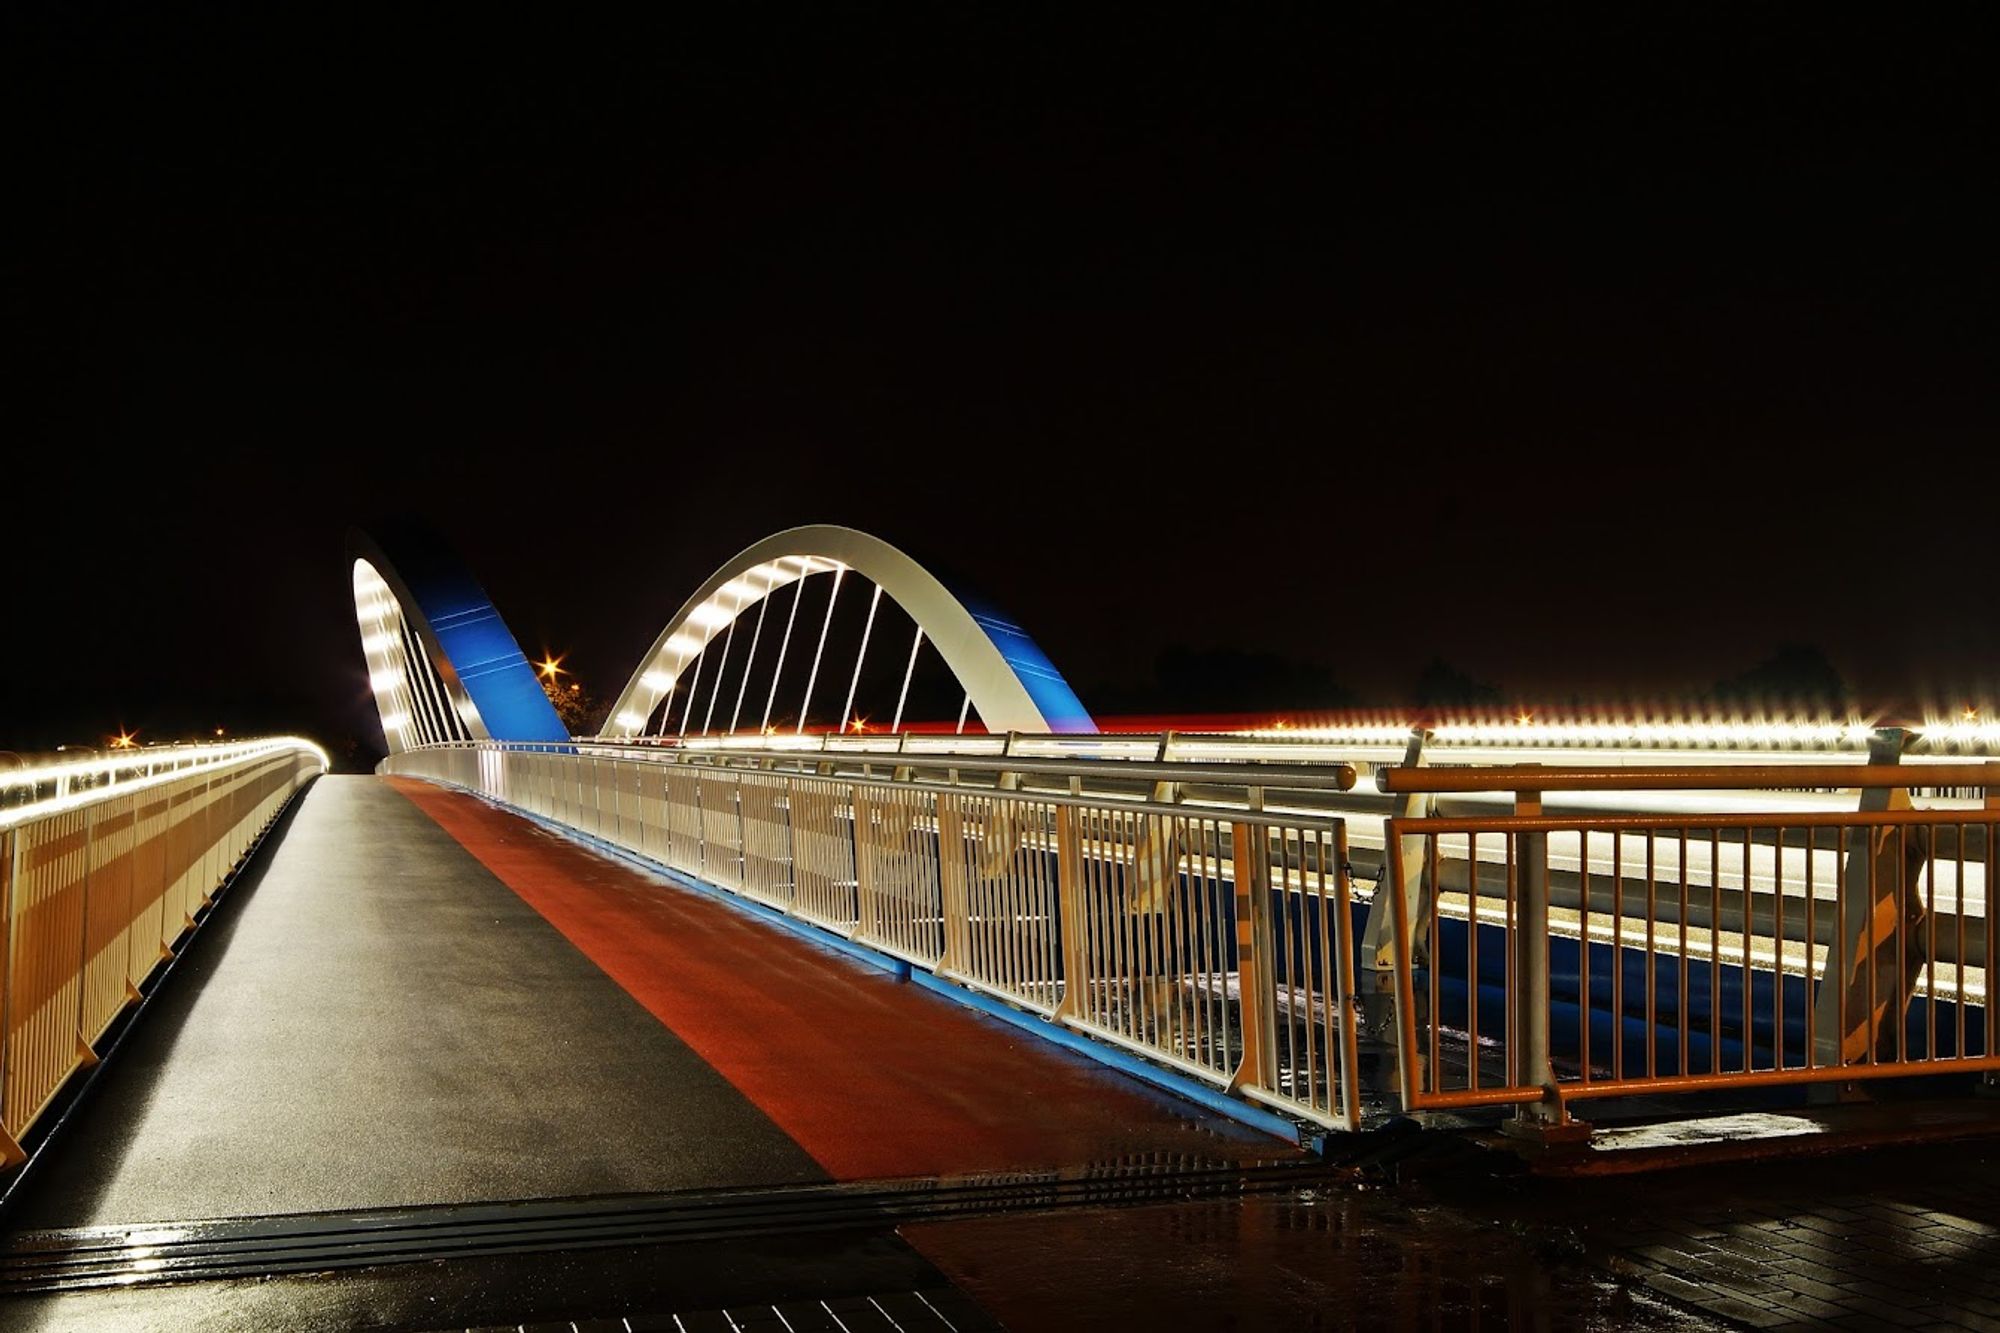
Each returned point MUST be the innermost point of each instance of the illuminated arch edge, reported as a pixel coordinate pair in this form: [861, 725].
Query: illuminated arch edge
[490, 692]
[1012, 684]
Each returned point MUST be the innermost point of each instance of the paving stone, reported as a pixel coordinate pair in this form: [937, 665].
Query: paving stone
[1917, 1295]
[1677, 1287]
[1805, 1286]
[1808, 1305]
[1977, 1323]
[1890, 1311]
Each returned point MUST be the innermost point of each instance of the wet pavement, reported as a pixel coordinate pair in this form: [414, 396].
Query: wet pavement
[432, 1066]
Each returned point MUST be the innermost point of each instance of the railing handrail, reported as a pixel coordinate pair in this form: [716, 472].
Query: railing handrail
[1704, 777]
[128, 771]
[1287, 777]
[1291, 819]
[1697, 821]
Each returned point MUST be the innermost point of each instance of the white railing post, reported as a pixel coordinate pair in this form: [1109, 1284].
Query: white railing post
[1250, 854]
[1866, 881]
[10, 877]
[1528, 1063]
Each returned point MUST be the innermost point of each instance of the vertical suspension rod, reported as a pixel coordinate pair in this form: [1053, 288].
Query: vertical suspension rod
[721, 670]
[854, 681]
[694, 690]
[908, 671]
[784, 646]
[756, 637]
[839, 572]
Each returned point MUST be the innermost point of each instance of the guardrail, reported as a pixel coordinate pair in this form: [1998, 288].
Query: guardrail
[1544, 960]
[1218, 943]
[104, 864]
[1526, 959]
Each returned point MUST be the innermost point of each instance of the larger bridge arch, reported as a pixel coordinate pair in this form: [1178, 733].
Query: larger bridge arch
[1007, 678]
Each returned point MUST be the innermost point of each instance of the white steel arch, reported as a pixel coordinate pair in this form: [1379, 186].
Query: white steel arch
[1008, 681]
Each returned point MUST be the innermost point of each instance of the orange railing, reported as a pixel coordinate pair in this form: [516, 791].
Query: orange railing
[1542, 959]
[100, 874]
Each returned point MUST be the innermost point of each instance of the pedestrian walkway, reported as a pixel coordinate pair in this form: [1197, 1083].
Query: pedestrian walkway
[415, 1001]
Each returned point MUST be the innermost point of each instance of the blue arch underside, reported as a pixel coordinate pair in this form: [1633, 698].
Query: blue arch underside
[482, 650]
[1045, 685]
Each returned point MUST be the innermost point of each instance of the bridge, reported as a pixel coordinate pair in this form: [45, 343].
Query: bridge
[864, 930]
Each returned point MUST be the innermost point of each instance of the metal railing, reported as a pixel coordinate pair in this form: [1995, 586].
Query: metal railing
[104, 864]
[1216, 942]
[1670, 930]
[1543, 960]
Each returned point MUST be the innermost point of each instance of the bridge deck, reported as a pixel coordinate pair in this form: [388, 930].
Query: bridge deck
[420, 999]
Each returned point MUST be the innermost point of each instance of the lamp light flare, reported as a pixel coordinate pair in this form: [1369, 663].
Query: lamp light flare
[550, 666]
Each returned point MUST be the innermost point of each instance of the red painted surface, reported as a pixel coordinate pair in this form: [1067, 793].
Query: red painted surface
[871, 1076]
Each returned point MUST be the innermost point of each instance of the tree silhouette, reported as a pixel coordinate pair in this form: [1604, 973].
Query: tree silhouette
[1797, 672]
[576, 707]
[1224, 680]
[1442, 685]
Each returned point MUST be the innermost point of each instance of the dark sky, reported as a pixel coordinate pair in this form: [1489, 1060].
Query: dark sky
[1598, 357]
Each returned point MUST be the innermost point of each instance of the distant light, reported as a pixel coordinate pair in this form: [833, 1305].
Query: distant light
[218, 731]
[550, 666]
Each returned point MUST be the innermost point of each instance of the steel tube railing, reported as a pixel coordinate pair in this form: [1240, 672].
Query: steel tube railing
[1858, 972]
[1706, 777]
[1535, 958]
[1217, 943]
[99, 878]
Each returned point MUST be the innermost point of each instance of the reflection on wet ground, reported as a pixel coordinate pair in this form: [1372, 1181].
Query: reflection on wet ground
[1335, 1258]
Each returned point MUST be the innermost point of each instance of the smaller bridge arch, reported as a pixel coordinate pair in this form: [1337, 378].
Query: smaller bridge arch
[1007, 678]
[442, 665]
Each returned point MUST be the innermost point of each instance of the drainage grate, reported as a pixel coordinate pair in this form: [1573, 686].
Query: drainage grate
[123, 1256]
[936, 1310]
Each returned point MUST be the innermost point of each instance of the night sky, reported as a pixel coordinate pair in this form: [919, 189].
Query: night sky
[1598, 358]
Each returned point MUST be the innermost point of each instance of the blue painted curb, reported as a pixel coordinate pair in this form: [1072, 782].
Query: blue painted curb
[1125, 1062]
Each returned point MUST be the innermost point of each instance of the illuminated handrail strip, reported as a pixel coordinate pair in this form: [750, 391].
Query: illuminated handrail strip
[1539, 778]
[98, 885]
[76, 782]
